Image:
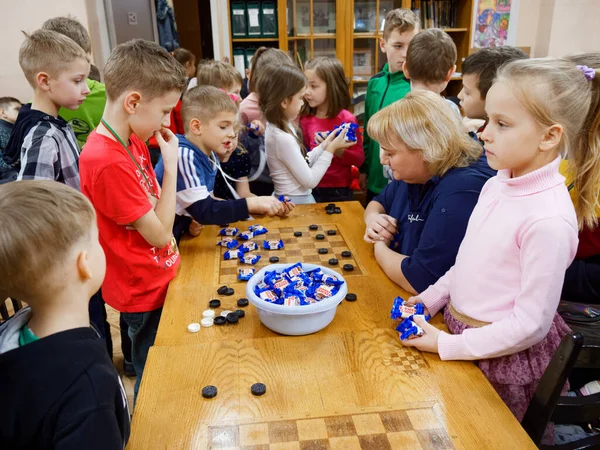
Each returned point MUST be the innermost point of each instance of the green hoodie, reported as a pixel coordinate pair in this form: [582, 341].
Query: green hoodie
[383, 89]
[87, 117]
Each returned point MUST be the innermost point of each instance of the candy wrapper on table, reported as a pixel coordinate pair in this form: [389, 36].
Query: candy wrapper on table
[402, 311]
[249, 259]
[233, 254]
[273, 245]
[229, 231]
[258, 230]
[248, 246]
[246, 235]
[408, 329]
[228, 242]
[246, 274]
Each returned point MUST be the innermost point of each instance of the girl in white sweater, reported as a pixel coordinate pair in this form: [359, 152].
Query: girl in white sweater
[294, 173]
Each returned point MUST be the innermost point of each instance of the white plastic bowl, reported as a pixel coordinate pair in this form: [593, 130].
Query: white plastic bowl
[295, 320]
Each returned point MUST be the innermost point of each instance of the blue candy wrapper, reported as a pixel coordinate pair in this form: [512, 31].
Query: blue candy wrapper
[273, 245]
[409, 330]
[249, 259]
[245, 274]
[228, 242]
[293, 270]
[402, 311]
[246, 235]
[248, 246]
[232, 254]
[352, 128]
[229, 231]
[258, 230]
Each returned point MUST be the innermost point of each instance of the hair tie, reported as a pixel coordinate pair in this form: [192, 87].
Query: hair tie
[233, 97]
[588, 72]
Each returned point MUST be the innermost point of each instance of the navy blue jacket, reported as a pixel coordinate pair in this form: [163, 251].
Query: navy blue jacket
[432, 219]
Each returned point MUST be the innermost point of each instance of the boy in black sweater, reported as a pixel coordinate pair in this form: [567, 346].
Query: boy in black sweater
[61, 390]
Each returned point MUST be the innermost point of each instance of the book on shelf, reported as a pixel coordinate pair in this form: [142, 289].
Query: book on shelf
[436, 13]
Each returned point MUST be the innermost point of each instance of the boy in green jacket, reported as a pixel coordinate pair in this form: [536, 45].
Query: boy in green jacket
[388, 86]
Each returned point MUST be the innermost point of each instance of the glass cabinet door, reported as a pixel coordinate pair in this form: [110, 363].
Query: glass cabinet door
[311, 29]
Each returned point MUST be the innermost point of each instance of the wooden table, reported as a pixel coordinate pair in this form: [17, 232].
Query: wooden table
[351, 385]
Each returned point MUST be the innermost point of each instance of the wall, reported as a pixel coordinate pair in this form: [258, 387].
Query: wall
[27, 15]
[558, 27]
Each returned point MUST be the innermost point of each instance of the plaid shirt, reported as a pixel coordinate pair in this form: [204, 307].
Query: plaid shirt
[50, 152]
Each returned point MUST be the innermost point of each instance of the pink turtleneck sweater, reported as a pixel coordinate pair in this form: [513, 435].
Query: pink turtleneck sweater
[511, 265]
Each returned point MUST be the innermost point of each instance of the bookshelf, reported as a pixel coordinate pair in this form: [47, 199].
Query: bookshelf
[350, 30]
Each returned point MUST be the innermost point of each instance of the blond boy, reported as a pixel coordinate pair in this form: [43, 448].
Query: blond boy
[431, 62]
[61, 389]
[43, 145]
[388, 86]
[209, 118]
[135, 218]
[87, 117]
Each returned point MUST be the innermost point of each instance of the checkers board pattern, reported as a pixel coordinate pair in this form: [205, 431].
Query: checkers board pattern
[296, 249]
[401, 429]
[406, 359]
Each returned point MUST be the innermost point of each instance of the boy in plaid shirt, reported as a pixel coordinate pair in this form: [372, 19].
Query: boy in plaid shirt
[42, 144]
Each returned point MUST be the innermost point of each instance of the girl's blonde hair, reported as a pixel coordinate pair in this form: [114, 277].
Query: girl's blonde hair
[337, 96]
[556, 91]
[425, 123]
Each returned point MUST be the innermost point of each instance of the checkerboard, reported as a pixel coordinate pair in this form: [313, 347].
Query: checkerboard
[386, 430]
[296, 249]
[406, 359]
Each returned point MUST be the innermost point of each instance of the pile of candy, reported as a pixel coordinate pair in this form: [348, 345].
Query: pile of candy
[350, 134]
[408, 329]
[295, 287]
[241, 251]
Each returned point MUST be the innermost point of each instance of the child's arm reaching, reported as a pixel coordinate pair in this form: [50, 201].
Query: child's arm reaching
[319, 159]
[547, 249]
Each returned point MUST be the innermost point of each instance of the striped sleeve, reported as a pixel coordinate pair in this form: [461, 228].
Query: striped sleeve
[39, 154]
[191, 180]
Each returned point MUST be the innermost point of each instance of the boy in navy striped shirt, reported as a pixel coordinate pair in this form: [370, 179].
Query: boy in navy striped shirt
[209, 116]
[42, 144]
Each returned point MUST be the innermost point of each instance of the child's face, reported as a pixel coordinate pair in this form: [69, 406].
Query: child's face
[292, 106]
[470, 97]
[235, 89]
[190, 68]
[69, 89]
[10, 113]
[316, 89]
[407, 165]
[219, 135]
[152, 115]
[512, 137]
[395, 47]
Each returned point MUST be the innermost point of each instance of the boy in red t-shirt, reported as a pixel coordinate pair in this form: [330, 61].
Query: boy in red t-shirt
[135, 218]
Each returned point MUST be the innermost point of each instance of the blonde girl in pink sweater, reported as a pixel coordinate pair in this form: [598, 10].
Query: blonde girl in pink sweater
[502, 293]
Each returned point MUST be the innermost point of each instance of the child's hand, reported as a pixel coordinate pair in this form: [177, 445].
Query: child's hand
[319, 136]
[334, 143]
[381, 228]
[169, 146]
[288, 206]
[260, 128]
[268, 205]
[195, 228]
[429, 341]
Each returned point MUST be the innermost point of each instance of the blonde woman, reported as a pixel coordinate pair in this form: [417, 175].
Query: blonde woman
[419, 220]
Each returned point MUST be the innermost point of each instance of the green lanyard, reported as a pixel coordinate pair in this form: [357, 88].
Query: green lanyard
[118, 138]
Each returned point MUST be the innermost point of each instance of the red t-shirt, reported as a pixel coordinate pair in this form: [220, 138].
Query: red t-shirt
[137, 274]
[339, 174]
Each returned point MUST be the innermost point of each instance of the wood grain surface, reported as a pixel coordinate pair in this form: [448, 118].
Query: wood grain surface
[351, 385]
